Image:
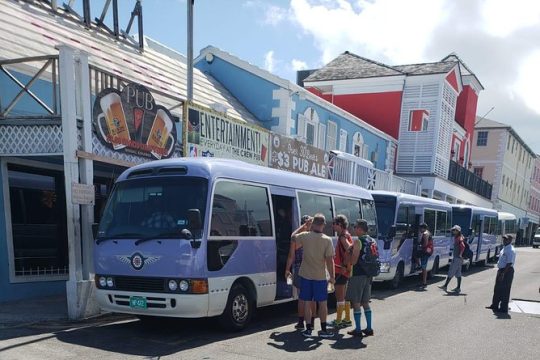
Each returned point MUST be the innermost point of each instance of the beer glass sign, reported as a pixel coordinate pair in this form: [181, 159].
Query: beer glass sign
[131, 121]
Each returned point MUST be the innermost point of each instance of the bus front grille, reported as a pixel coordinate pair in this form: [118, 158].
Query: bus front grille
[140, 284]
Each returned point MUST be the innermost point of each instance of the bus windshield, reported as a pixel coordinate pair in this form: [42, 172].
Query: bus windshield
[148, 207]
[386, 213]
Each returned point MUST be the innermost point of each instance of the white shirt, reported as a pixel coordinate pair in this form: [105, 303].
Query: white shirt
[507, 256]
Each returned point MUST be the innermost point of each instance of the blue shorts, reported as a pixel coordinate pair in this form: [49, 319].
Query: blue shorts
[313, 290]
[423, 262]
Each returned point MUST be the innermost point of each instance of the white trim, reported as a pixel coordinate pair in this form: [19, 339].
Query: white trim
[361, 86]
[14, 279]
[291, 87]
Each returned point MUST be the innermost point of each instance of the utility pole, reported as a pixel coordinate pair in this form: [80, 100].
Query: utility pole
[190, 50]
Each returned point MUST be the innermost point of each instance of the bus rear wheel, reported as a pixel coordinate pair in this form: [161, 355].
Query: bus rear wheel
[239, 309]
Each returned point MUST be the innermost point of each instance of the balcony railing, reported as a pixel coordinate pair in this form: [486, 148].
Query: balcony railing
[463, 177]
[353, 172]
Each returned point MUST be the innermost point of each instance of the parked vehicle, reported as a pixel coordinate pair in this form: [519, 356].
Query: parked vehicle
[219, 252]
[536, 239]
[398, 218]
[480, 228]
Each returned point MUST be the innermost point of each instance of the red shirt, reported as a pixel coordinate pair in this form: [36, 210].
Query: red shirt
[339, 259]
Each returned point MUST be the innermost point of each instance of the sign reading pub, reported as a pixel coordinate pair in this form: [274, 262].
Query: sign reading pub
[211, 134]
[130, 121]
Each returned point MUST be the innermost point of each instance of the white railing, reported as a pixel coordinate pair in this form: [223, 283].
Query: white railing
[362, 173]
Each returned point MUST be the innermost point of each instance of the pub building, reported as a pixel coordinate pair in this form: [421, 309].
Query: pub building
[79, 103]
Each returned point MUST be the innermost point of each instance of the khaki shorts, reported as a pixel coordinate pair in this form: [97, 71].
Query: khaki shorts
[359, 289]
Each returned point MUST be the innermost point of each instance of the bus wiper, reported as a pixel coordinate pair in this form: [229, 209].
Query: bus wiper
[101, 239]
[163, 235]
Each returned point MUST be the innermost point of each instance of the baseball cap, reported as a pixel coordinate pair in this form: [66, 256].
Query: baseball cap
[456, 227]
[508, 237]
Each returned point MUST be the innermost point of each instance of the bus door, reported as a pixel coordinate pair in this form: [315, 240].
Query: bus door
[477, 227]
[285, 221]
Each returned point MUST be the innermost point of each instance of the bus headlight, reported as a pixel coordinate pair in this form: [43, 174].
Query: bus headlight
[385, 267]
[102, 282]
[184, 285]
[173, 285]
[110, 282]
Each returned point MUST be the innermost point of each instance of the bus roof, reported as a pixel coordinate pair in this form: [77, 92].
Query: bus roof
[476, 209]
[213, 168]
[506, 216]
[412, 199]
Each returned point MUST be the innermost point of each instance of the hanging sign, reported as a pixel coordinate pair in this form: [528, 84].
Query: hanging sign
[130, 121]
[83, 194]
[296, 156]
[212, 134]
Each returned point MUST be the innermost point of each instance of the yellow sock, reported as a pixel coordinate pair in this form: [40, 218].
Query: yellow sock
[339, 312]
[347, 311]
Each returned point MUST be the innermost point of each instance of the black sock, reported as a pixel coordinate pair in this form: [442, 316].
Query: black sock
[301, 319]
[323, 326]
[309, 326]
[313, 322]
[459, 282]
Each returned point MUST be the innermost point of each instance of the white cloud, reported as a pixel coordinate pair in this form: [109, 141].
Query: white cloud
[269, 61]
[274, 15]
[393, 30]
[298, 65]
[527, 83]
[502, 18]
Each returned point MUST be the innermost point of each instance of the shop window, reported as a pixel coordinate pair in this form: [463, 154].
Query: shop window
[418, 120]
[240, 210]
[311, 204]
[38, 222]
[482, 138]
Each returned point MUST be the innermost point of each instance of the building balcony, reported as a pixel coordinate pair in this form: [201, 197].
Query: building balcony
[467, 179]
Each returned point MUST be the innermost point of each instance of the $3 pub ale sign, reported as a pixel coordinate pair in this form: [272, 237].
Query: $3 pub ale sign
[131, 121]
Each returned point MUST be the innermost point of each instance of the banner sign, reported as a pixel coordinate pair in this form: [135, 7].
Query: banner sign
[131, 121]
[211, 134]
[296, 156]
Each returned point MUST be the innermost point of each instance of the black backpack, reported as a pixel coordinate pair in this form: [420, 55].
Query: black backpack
[467, 253]
[369, 261]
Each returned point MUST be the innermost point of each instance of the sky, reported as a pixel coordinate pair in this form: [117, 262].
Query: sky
[499, 40]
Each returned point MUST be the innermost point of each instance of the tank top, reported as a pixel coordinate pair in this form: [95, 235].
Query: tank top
[339, 259]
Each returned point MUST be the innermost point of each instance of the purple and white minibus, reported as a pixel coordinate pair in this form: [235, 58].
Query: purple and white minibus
[398, 218]
[201, 237]
[480, 227]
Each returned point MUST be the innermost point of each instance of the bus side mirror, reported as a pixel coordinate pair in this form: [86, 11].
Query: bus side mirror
[195, 224]
[95, 228]
[194, 219]
[392, 232]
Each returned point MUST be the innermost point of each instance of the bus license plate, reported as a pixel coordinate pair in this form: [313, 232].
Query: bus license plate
[137, 302]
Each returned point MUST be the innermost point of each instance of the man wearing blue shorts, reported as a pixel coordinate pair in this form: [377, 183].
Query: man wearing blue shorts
[318, 256]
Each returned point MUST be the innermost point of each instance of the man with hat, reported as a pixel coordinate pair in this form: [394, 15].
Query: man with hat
[505, 276]
[457, 259]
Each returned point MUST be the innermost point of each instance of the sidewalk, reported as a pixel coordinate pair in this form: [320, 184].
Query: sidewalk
[30, 311]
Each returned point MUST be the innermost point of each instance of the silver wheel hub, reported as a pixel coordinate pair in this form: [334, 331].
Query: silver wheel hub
[240, 308]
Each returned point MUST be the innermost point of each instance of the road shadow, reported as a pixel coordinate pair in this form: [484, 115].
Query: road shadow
[293, 341]
[454, 294]
[502, 316]
[382, 291]
[348, 342]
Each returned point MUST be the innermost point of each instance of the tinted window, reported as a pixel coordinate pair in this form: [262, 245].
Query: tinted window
[370, 215]
[385, 207]
[442, 226]
[240, 210]
[349, 208]
[311, 204]
[405, 220]
[429, 219]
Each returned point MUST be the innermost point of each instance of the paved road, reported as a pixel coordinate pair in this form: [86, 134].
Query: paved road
[409, 324]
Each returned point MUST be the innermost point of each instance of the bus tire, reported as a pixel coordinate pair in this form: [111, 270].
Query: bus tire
[434, 269]
[396, 281]
[239, 309]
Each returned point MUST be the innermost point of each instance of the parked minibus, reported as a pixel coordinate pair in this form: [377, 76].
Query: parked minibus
[398, 218]
[201, 237]
[480, 227]
[508, 226]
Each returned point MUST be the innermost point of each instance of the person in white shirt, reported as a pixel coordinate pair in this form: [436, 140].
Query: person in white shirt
[505, 275]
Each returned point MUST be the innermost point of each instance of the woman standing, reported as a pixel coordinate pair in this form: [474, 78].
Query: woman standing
[342, 270]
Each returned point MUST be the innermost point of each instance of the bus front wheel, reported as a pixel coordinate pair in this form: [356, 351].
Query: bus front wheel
[239, 309]
[396, 281]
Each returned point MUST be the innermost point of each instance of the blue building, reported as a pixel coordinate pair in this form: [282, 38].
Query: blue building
[288, 109]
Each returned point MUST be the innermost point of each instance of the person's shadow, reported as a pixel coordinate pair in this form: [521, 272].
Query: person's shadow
[347, 343]
[294, 341]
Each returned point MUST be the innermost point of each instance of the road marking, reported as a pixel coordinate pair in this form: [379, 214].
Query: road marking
[525, 307]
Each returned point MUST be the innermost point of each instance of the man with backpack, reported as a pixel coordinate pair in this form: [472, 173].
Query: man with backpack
[457, 259]
[366, 265]
[426, 250]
